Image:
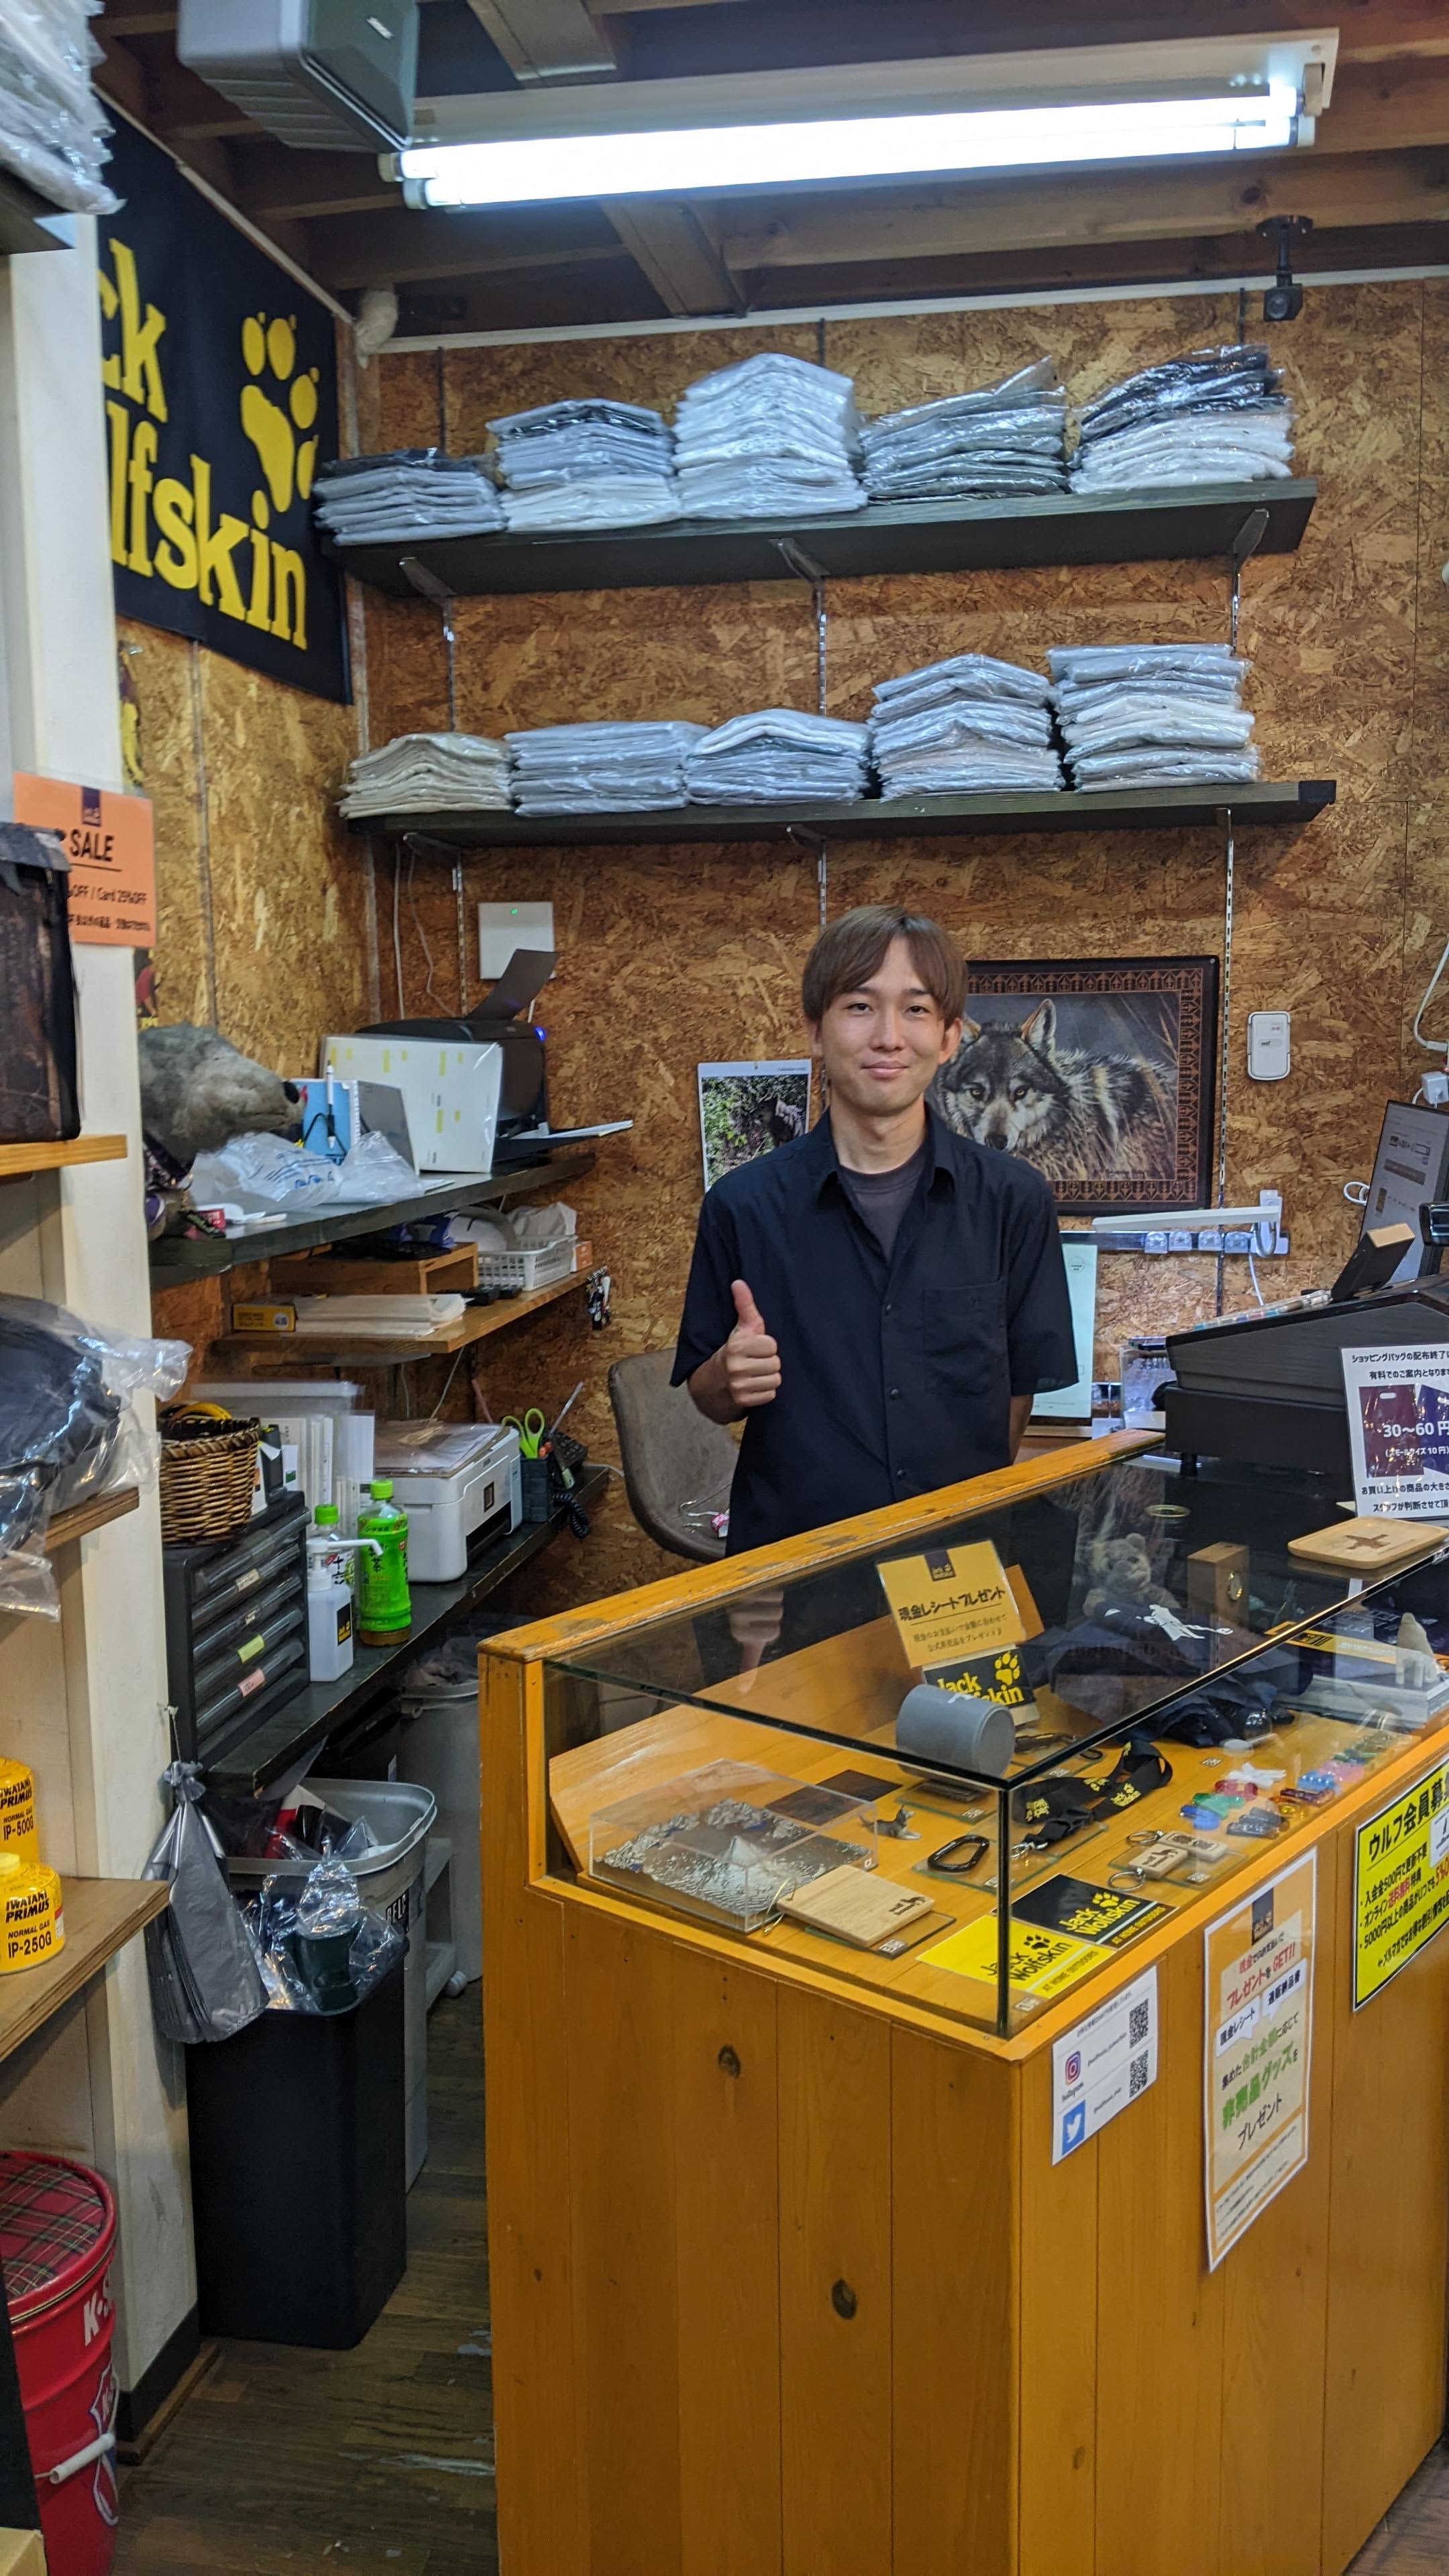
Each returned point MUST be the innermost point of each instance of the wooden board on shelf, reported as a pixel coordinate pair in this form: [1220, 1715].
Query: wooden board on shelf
[477, 1325]
[101, 1916]
[418, 1274]
[17, 1162]
[65, 1526]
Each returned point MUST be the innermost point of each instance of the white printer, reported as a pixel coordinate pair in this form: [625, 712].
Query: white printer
[456, 1481]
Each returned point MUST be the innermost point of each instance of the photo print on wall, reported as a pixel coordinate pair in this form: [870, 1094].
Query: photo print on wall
[746, 1110]
[1099, 1072]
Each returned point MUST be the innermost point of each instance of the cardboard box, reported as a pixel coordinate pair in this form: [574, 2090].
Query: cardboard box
[450, 1094]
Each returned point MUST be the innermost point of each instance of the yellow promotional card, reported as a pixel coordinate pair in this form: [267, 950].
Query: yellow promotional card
[951, 1602]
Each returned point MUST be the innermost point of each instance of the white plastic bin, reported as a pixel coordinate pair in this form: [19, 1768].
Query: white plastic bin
[390, 1878]
[441, 1747]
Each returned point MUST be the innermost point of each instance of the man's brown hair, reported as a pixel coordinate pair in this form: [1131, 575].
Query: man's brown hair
[854, 948]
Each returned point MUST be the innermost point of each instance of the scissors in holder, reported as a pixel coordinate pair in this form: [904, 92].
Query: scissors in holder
[530, 1430]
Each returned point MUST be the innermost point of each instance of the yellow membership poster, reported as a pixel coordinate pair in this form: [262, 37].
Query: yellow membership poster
[1400, 1883]
[1257, 2050]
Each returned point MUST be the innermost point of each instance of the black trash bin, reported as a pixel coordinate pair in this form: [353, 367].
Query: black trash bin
[298, 2172]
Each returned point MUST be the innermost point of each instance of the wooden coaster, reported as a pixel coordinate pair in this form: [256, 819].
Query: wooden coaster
[856, 1905]
[1365, 1546]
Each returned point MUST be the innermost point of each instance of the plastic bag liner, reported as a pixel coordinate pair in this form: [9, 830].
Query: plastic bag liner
[68, 1430]
[322, 1950]
[267, 1172]
[204, 1966]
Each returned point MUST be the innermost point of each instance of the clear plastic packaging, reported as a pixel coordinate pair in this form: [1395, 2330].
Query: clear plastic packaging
[779, 753]
[967, 726]
[412, 492]
[52, 127]
[69, 1429]
[772, 437]
[425, 773]
[586, 464]
[322, 1950]
[1216, 415]
[600, 768]
[266, 1171]
[1006, 438]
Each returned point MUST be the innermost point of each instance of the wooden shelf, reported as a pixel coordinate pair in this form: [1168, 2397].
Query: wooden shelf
[27, 218]
[101, 1916]
[885, 537]
[65, 1526]
[177, 1257]
[1110, 809]
[477, 1325]
[17, 1162]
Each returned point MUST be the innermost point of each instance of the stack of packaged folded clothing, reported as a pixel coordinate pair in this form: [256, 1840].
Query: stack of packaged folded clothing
[772, 438]
[422, 772]
[601, 768]
[963, 727]
[1008, 438]
[1148, 715]
[779, 754]
[592, 464]
[1218, 416]
[414, 492]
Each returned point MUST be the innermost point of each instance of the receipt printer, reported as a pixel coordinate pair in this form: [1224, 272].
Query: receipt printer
[457, 1482]
[499, 1021]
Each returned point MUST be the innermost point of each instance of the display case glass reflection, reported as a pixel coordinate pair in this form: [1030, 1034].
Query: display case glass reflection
[1107, 1696]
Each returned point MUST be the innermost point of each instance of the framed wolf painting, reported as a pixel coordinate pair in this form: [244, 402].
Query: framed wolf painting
[1100, 1072]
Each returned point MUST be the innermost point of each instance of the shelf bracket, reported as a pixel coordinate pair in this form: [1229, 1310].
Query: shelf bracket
[1247, 541]
[430, 586]
[807, 838]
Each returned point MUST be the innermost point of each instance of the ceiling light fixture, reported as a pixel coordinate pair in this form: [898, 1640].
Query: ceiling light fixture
[701, 159]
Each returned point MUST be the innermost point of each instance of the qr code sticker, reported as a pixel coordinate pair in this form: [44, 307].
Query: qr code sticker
[1137, 2025]
[1137, 2074]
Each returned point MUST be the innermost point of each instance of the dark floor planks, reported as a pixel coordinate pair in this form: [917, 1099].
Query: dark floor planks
[380, 2461]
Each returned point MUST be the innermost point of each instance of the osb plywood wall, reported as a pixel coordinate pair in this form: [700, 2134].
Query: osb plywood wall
[671, 956]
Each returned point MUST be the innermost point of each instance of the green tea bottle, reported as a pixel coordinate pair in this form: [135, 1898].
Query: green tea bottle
[384, 1609]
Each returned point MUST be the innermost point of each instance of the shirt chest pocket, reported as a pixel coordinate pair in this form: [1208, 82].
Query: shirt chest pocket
[963, 1339]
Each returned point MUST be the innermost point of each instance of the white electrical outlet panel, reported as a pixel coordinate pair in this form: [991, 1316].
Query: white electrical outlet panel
[1269, 1050]
[502, 927]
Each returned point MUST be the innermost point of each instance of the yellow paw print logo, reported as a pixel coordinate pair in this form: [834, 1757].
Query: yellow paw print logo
[275, 427]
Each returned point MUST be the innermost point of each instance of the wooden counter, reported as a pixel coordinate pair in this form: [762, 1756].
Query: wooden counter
[784, 2280]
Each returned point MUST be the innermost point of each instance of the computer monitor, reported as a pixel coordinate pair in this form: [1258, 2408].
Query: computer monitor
[1411, 1167]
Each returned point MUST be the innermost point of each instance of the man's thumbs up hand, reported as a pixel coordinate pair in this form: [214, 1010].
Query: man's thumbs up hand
[751, 1357]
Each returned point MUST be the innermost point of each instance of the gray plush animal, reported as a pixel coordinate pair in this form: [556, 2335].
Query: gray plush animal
[198, 1091]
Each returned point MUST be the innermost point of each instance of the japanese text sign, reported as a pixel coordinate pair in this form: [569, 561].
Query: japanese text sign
[1400, 1883]
[111, 888]
[951, 1602]
[1257, 2050]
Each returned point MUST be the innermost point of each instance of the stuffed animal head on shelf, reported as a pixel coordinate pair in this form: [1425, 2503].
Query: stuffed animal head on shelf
[198, 1091]
[1121, 1572]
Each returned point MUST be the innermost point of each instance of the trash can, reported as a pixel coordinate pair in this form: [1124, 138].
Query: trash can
[442, 1748]
[390, 1879]
[57, 2236]
[298, 2179]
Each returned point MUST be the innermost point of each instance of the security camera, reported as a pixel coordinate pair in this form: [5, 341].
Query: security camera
[1283, 300]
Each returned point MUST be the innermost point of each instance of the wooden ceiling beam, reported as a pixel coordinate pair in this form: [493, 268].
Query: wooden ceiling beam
[406, 249]
[675, 253]
[872, 224]
[1390, 106]
[183, 109]
[547, 40]
[275, 184]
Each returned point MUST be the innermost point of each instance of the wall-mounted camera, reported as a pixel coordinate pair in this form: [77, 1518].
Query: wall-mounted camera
[1283, 300]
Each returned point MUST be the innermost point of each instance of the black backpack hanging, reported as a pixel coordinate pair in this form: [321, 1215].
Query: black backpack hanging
[39, 1100]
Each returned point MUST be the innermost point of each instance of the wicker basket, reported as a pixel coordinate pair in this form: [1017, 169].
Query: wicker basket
[208, 1474]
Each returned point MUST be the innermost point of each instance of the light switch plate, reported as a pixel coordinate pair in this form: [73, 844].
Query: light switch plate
[1269, 1045]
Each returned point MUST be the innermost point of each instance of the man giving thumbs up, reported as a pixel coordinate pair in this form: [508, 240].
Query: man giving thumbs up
[878, 1300]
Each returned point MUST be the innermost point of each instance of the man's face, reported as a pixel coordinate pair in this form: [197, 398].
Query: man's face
[881, 1045]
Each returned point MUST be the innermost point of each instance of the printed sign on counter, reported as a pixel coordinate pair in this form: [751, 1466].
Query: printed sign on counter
[1257, 2050]
[1398, 1429]
[950, 1603]
[111, 889]
[1400, 1883]
[1043, 1964]
[1103, 2063]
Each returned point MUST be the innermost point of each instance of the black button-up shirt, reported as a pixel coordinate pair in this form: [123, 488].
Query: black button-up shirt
[895, 1376]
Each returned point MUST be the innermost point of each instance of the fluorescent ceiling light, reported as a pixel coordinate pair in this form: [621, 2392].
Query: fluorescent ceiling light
[703, 159]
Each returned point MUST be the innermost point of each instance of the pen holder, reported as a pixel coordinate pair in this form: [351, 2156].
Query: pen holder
[542, 1479]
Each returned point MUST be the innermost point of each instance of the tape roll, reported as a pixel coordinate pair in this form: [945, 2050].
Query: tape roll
[32, 1927]
[17, 1811]
[937, 1725]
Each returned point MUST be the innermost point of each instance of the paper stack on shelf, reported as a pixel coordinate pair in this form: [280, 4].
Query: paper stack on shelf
[400, 1318]
[1147, 715]
[772, 438]
[601, 768]
[963, 727]
[778, 754]
[52, 126]
[1217, 416]
[1010, 437]
[408, 495]
[424, 773]
[590, 464]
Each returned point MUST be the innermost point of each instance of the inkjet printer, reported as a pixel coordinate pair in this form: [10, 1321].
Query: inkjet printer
[1267, 1390]
[523, 1133]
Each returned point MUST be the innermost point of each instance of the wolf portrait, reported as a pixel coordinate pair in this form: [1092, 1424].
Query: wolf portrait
[1101, 1089]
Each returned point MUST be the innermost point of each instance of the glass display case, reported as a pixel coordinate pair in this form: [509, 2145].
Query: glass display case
[1105, 1697]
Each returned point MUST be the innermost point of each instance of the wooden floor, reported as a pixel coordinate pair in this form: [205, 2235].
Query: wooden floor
[380, 2461]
